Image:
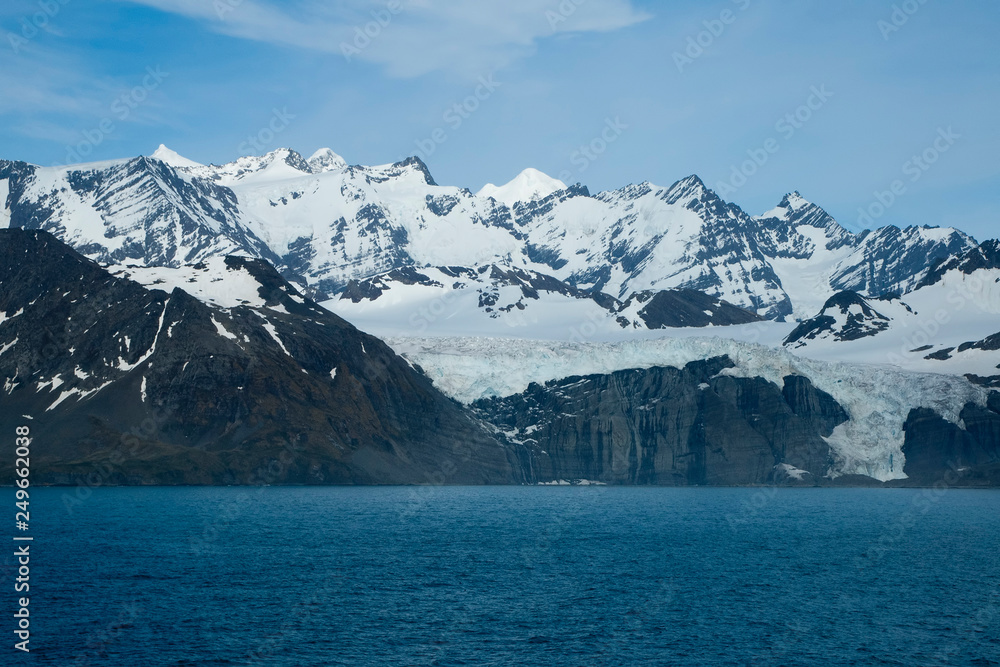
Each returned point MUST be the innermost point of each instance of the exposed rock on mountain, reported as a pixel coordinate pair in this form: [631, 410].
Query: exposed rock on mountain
[146, 386]
[982, 257]
[940, 452]
[685, 308]
[890, 260]
[671, 426]
[247, 366]
[845, 316]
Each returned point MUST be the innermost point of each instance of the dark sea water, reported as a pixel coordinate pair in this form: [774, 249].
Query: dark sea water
[512, 576]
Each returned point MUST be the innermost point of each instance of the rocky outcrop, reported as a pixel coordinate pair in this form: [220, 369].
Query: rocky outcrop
[670, 426]
[138, 386]
[941, 452]
[686, 308]
[984, 256]
[890, 260]
[845, 316]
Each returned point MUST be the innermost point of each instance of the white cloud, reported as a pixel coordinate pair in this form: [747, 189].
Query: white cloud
[458, 37]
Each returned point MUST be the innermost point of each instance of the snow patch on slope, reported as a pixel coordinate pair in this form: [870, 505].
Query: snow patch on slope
[4, 211]
[211, 281]
[269, 328]
[221, 330]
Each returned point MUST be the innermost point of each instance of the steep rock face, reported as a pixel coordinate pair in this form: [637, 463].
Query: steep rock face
[132, 210]
[686, 308]
[794, 211]
[143, 386]
[670, 426]
[938, 451]
[984, 256]
[811, 404]
[891, 260]
[845, 316]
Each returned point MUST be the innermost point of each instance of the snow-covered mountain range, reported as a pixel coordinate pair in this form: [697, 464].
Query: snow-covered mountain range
[324, 223]
[880, 324]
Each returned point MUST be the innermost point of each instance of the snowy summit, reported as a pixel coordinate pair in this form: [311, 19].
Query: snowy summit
[326, 160]
[529, 185]
[164, 154]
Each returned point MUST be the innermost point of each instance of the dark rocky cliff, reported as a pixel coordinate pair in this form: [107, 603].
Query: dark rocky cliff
[670, 426]
[134, 386]
[939, 452]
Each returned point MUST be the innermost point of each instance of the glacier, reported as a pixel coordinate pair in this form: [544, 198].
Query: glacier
[871, 443]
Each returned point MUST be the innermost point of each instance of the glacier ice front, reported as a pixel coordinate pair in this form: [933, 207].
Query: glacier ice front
[870, 443]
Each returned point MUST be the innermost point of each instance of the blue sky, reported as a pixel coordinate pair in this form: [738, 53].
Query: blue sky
[757, 97]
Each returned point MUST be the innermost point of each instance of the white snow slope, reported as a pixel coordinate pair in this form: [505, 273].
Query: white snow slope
[529, 185]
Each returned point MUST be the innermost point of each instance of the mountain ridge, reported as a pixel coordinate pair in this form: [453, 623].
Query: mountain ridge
[324, 223]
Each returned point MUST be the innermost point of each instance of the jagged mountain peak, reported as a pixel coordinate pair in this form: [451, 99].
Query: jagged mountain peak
[693, 180]
[278, 164]
[794, 212]
[328, 223]
[413, 163]
[530, 185]
[288, 157]
[794, 200]
[689, 190]
[791, 207]
[326, 160]
[173, 158]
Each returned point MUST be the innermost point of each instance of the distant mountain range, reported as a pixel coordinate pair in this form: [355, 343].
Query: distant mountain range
[324, 223]
[709, 344]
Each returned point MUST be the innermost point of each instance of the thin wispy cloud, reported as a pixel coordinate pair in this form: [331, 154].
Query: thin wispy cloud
[410, 38]
[42, 80]
[51, 95]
